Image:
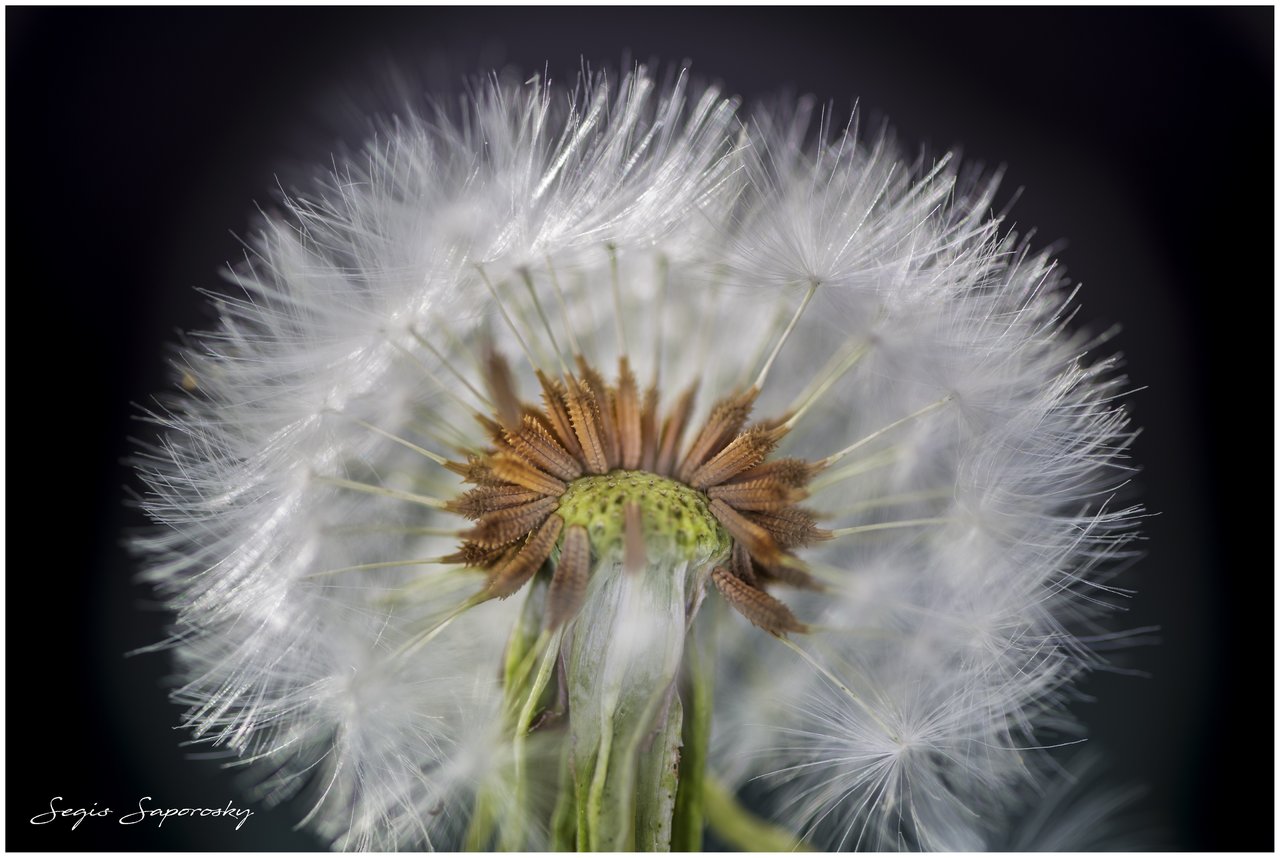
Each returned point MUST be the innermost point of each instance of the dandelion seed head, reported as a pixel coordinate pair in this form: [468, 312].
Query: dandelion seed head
[505, 413]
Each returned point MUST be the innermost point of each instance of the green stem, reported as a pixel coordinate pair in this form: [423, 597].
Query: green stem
[696, 691]
[512, 834]
[741, 828]
[480, 831]
[564, 819]
[595, 793]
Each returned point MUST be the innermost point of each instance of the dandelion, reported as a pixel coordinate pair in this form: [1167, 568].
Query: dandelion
[589, 469]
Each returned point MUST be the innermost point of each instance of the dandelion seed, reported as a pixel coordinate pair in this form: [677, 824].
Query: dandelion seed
[441, 559]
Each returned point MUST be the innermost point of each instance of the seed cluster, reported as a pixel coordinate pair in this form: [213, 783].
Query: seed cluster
[528, 482]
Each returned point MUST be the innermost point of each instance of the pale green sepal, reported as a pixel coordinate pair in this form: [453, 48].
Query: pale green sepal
[658, 782]
[624, 661]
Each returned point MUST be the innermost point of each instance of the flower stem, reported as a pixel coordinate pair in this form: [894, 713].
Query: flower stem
[564, 819]
[480, 830]
[513, 832]
[742, 829]
[696, 691]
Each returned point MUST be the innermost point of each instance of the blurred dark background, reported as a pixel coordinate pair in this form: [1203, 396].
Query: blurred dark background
[138, 140]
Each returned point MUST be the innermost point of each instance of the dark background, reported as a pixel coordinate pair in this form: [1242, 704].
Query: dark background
[139, 139]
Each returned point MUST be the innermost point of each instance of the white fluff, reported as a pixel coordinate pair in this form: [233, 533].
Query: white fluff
[945, 650]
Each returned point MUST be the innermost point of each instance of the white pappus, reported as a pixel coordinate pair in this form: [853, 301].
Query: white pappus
[428, 334]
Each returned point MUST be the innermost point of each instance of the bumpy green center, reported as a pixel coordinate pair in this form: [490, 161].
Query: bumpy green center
[676, 520]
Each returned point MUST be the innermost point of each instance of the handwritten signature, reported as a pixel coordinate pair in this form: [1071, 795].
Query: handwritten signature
[144, 813]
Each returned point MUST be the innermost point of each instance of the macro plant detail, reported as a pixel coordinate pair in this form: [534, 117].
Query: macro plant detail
[599, 467]
[819, 565]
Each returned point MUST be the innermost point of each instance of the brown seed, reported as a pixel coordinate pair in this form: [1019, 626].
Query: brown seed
[726, 419]
[789, 570]
[540, 419]
[740, 565]
[475, 470]
[649, 430]
[606, 407]
[790, 472]
[672, 430]
[569, 583]
[759, 607]
[514, 469]
[492, 428]
[762, 494]
[633, 537]
[557, 412]
[506, 525]
[502, 389]
[745, 451]
[791, 527]
[536, 444]
[512, 575]
[480, 556]
[630, 434]
[485, 499]
[584, 413]
[756, 539]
